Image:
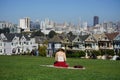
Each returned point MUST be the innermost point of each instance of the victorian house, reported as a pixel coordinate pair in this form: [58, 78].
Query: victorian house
[54, 44]
[16, 43]
[111, 37]
[59, 41]
[79, 42]
[91, 43]
[117, 41]
[116, 44]
[104, 42]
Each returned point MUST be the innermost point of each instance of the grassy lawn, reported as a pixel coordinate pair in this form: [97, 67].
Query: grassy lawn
[28, 68]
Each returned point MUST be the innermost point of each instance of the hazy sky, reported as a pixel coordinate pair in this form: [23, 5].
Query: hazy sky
[60, 10]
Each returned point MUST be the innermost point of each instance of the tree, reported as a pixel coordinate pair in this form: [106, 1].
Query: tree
[1, 31]
[37, 33]
[51, 34]
[70, 33]
[5, 30]
[42, 50]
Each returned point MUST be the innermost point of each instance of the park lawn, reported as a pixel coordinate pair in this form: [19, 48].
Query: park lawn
[28, 68]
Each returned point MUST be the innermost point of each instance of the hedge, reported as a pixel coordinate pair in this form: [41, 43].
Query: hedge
[77, 54]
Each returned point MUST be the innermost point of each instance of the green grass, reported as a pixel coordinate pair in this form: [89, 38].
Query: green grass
[28, 68]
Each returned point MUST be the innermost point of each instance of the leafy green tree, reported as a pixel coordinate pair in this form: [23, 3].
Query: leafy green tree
[70, 33]
[5, 30]
[42, 50]
[52, 34]
[37, 33]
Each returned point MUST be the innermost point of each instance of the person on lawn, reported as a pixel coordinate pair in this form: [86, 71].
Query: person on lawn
[60, 58]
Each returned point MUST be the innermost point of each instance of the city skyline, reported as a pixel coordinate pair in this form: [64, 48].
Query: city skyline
[60, 11]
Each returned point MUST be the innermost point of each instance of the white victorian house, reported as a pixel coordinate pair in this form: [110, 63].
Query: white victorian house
[16, 43]
[79, 42]
[91, 43]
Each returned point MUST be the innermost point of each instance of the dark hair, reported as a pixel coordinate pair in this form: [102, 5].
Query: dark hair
[60, 49]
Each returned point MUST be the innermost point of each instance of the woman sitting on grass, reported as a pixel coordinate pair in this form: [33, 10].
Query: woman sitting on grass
[60, 58]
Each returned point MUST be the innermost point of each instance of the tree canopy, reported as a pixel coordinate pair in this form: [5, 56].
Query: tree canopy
[37, 33]
[5, 30]
[51, 34]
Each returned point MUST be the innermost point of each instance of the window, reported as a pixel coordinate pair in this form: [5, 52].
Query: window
[22, 38]
[105, 38]
[16, 43]
[26, 43]
[15, 38]
[67, 40]
[0, 50]
[20, 43]
[0, 44]
[4, 50]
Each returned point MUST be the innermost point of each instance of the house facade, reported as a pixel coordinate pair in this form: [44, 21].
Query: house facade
[116, 44]
[79, 42]
[91, 43]
[16, 44]
[104, 42]
[88, 43]
[53, 45]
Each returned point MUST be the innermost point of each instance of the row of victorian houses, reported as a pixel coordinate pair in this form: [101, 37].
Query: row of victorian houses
[86, 42]
[16, 43]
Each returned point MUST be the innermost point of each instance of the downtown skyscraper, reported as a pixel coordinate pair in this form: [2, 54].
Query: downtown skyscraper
[95, 20]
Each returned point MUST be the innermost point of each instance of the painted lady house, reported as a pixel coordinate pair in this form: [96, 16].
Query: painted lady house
[116, 44]
[106, 41]
[91, 43]
[53, 45]
[57, 42]
[79, 42]
[16, 43]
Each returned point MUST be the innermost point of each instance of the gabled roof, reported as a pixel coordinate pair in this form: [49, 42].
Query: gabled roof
[101, 37]
[62, 38]
[71, 38]
[81, 38]
[84, 37]
[117, 38]
[56, 38]
[111, 36]
[91, 38]
[40, 39]
[76, 39]
[97, 36]
[10, 36]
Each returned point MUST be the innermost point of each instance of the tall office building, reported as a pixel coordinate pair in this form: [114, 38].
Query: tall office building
[95, 20]
[25, 24]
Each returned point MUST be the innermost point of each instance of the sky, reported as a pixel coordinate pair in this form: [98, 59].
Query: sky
[60, 10]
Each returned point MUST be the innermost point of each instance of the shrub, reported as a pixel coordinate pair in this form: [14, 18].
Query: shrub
[108, 52]
[81, 53]
[42, 50]
[119, 53]
[75, 54]
[69, 53]
[96, 52]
